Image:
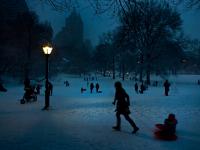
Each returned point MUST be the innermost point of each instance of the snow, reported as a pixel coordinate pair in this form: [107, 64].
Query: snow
[83, 121]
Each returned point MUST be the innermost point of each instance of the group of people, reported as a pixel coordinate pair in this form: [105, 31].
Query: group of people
[36, 88]
[66, 83]
[143, 87]
[92, 86]
[122, 102]
[90, 78]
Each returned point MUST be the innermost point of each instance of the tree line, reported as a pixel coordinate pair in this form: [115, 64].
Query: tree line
[149, 40]
[21, 39]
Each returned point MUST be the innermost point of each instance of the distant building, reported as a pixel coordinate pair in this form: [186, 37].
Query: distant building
[72, 46]
[72, 32]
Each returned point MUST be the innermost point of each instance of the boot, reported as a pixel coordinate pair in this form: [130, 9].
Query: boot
[135, 130]
[116, 128]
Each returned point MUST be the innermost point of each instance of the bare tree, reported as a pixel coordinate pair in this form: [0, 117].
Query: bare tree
[147, 24]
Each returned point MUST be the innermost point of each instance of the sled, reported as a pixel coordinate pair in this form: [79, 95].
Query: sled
[159, 134]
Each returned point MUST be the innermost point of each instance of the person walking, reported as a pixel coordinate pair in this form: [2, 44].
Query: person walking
[166, 86]
[142, 88]
[27, 83]
[50, 86]
[136, 87]
[122, 107]
[91, 87]
[97, 87]
[38, 87]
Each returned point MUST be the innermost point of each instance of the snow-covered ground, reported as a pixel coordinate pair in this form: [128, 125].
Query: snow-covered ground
[83, 121]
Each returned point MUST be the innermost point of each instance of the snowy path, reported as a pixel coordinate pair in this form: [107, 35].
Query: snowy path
[83, 122]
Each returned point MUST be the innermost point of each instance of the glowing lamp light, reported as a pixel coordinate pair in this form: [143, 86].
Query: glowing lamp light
[47, 50]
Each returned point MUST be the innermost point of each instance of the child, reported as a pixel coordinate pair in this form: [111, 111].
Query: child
[168, 129]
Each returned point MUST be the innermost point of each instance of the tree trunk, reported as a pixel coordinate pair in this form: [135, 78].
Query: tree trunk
[123, 72]
[104, 72]
[28, 60]
[113, 67]
[141, 74]
[148, 77]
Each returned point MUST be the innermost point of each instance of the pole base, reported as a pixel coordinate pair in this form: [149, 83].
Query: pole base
[45, 108]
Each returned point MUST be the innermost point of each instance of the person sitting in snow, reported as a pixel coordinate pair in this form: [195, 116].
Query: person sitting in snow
[83, 89]
[66, 83]
[168, 128]
[122, 107]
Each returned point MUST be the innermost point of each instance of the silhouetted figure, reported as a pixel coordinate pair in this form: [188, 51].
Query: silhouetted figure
[168, 129]
[38, 87]
[97, 87]
[26, 82]
[27, 88]
[2, 88]
[142, 88]
[91, 87]
[166, 86]
[136, 88]
[156, 83]
[66, 83]
[50, 88]
[83, 89]
[122, 107]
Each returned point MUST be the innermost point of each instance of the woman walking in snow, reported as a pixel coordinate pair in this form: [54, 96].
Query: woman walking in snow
[122, 107]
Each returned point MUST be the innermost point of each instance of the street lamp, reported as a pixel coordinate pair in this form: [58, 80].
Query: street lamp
[47, 49]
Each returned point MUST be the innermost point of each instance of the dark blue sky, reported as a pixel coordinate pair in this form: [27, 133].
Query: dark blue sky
[95, 25]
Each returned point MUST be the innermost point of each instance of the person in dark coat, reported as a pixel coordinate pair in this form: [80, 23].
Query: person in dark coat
[166, 86]
[122, 107]
[91, 87]
[136, 87]
[66, 83]
[142, 88]
[38, 87]
[27, 87]
[2, 88]
[97, 87]
[50, 88]
[26, 83]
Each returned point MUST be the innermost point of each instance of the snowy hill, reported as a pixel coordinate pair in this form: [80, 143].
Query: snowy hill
[83, 121]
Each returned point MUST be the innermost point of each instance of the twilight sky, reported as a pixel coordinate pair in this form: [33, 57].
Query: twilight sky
[95, 25]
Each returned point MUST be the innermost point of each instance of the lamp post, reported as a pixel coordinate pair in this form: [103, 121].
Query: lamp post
[47, 51]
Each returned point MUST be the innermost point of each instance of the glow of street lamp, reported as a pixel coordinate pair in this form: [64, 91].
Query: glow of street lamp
[47, 50]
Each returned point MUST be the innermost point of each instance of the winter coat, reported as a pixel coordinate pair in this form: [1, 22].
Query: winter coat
[167, 85]
[123, 101]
